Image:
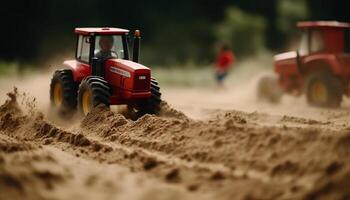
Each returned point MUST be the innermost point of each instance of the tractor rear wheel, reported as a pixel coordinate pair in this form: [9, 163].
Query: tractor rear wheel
[93, 90]
[324, 90]
[150, 105]
[268, 89]
[63, 91]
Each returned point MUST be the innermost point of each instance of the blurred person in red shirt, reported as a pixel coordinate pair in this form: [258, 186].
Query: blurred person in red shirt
[224, 61]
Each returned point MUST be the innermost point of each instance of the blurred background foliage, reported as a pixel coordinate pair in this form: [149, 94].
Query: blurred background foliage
[244, 32]
[289, 12]
[175, 33]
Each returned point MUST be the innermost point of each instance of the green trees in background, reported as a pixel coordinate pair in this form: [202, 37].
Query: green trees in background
[173, 32]
[246, 32]
[243, 31]
[289, 13]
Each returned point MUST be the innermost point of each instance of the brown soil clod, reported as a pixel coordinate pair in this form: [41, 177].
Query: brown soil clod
[150, 163]
[193, 187]
[217, 176]
[173, 176]
[333, 167]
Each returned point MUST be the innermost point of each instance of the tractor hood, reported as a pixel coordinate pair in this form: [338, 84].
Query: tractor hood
[127, 65]
[285, 56]
[126, 75]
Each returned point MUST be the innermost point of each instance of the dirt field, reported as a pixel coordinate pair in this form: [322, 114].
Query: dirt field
[205, 144]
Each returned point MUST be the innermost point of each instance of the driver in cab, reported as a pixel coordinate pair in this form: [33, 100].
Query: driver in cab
[106, 45]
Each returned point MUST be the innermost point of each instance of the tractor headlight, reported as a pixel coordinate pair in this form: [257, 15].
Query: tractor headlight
[142, 77]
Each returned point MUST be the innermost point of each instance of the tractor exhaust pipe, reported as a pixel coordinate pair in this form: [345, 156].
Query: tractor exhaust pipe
[136, 47]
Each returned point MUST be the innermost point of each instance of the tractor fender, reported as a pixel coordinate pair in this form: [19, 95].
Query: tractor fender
[80, 70]
[328, 62]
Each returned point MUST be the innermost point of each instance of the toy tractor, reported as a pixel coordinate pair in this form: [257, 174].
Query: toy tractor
[102, 73]
[320, 68]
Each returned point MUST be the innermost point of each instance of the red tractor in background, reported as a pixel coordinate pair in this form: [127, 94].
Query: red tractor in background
[320, 68]
[102, 73]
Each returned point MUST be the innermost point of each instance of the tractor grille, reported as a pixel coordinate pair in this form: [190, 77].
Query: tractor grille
[142, 82]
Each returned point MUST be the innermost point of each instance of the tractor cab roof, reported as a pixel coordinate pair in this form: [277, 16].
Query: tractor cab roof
[323, 24]
[100, 31]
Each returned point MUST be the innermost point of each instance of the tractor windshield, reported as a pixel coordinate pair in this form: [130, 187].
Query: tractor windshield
[316, 41]
[109, 46]
[304, 42]
[311, 42]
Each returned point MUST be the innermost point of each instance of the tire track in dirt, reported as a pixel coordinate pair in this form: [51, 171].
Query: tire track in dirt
[45, 133]
[42, 132]
[229, 156]
[37, 138]
[49, 173]
[282, 171]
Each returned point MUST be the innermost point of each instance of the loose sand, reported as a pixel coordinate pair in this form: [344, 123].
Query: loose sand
[205, 144]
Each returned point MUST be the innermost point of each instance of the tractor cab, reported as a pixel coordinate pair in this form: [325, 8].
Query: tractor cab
[324, 37]
[96, 45]
[99, 42]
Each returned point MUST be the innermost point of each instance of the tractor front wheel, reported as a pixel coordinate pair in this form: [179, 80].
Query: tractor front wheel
[63, 91]
[93, 90]
[324, 90]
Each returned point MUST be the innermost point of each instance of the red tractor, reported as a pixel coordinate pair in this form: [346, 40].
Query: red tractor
[102, 73]
[320, 68]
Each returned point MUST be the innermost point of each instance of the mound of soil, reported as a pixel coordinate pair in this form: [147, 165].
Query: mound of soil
[170, 156]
